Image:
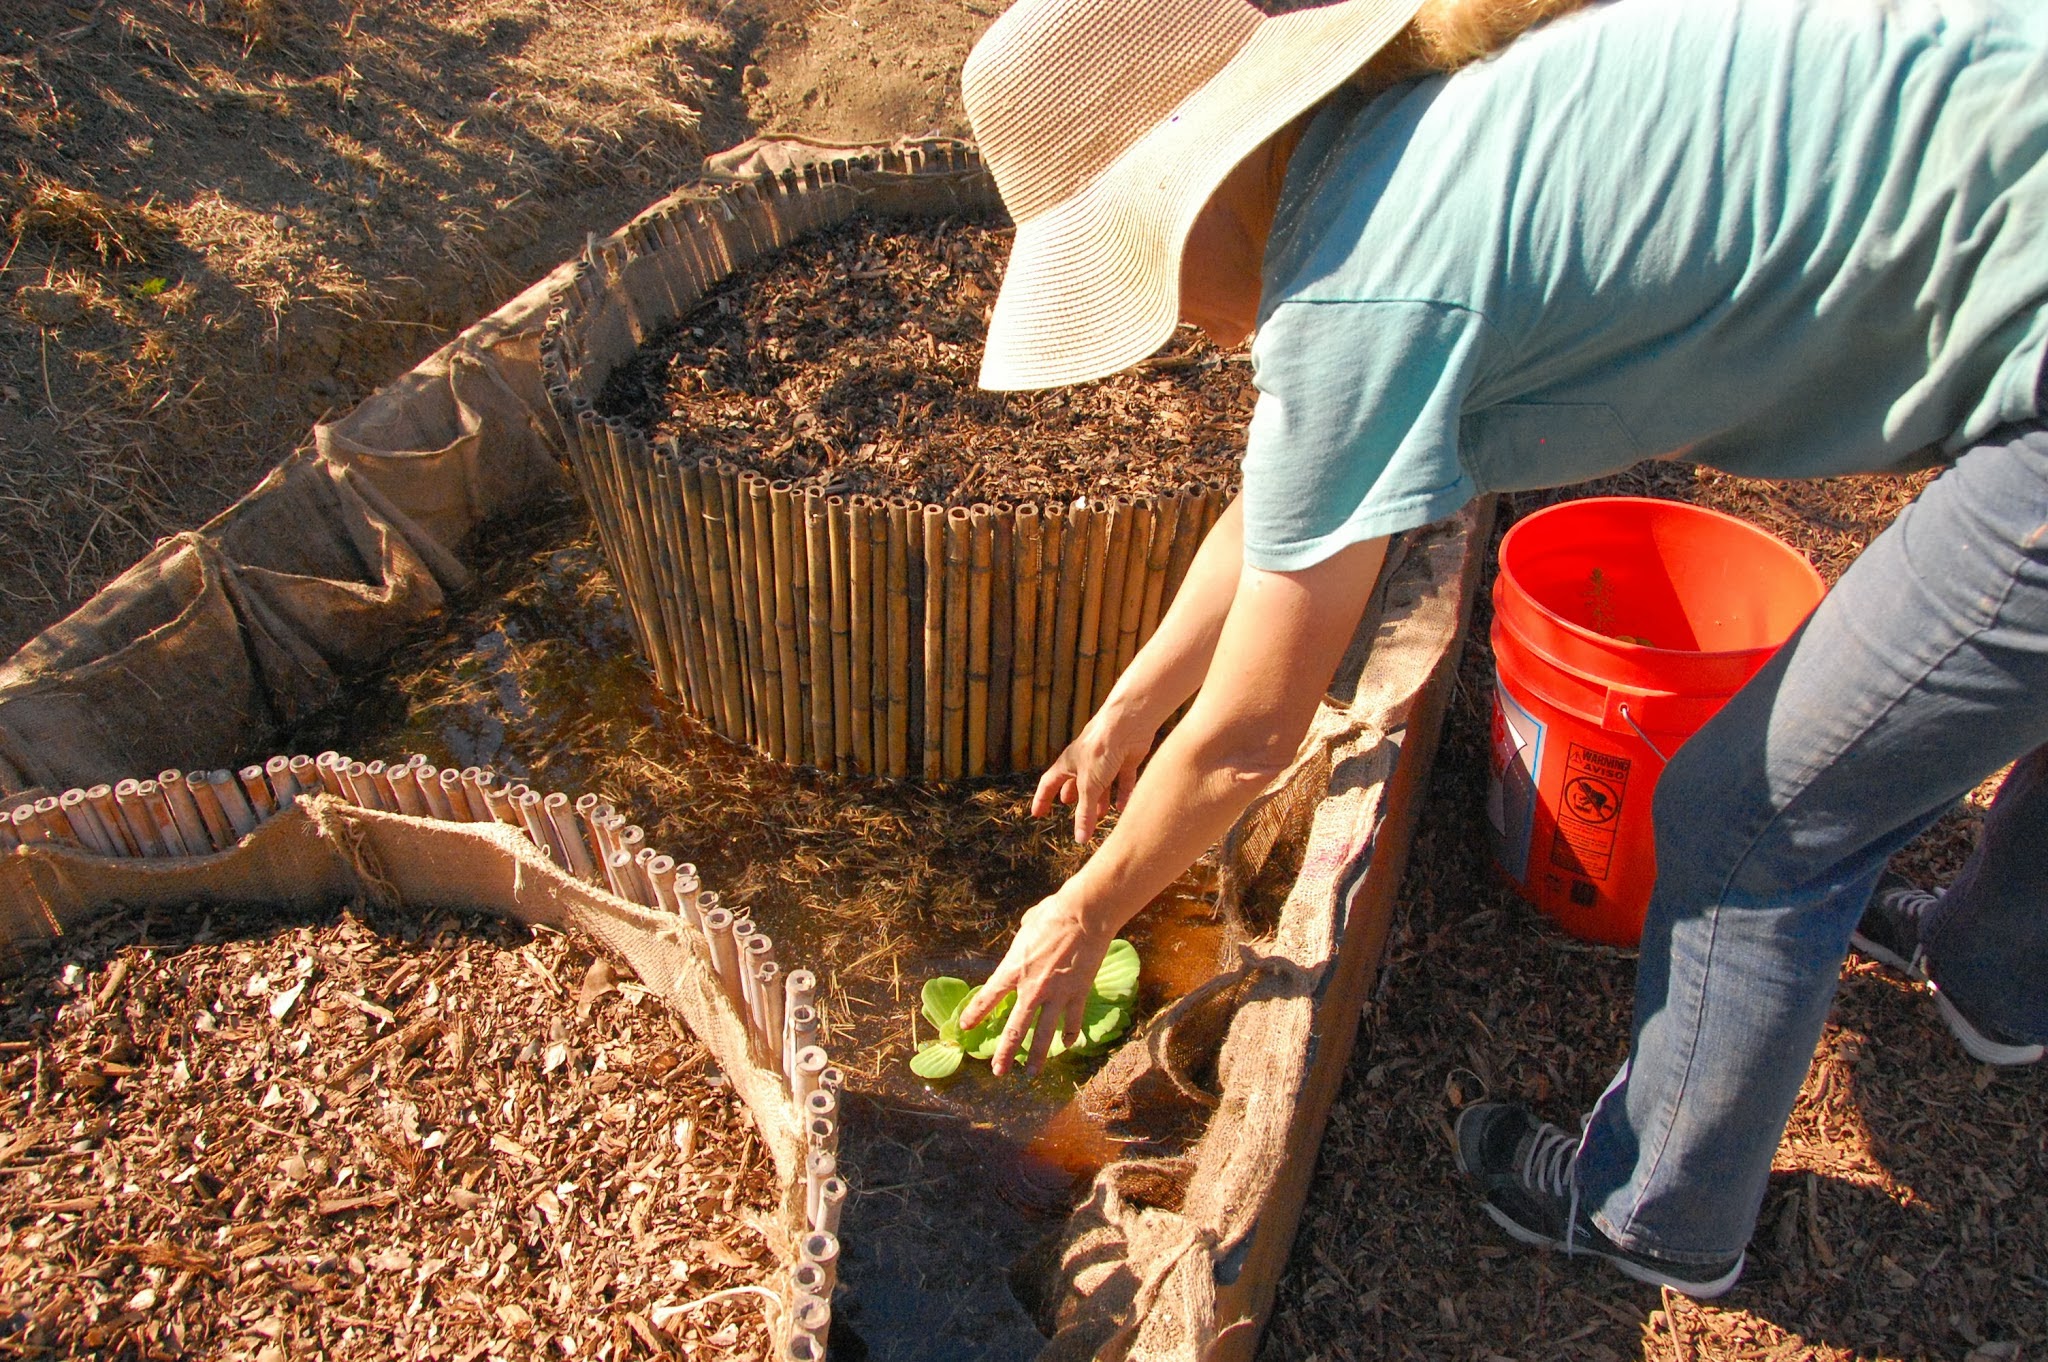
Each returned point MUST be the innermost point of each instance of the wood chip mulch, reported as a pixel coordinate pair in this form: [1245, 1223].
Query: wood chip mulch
[1907, 1216]
[261, 1134]
[849, 362]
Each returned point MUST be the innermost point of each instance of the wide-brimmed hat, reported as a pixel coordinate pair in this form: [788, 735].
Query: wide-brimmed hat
[1108, 124]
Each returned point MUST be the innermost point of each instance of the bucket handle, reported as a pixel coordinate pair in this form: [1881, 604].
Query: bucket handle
[1630, 720]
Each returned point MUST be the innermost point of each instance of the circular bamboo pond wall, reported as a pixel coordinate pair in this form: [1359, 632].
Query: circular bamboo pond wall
[858, 634]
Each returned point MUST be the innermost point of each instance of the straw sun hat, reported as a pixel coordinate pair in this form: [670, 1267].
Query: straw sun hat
[1108, 124]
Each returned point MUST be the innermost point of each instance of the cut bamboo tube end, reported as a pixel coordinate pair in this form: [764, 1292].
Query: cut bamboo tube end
[823, 1249]
[809, 1062]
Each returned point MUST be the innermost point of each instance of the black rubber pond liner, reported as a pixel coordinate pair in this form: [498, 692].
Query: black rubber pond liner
[239, 629]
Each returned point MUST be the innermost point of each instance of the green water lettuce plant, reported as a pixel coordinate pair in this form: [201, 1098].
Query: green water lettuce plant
[1107, 1015]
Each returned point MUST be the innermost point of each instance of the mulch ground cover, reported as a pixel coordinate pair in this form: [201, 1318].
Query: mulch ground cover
[1908, 1212]
[253, 1133]
[848, 362]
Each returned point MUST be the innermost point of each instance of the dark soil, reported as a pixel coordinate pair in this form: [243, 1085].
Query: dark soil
[264, 1134]
[849, 363]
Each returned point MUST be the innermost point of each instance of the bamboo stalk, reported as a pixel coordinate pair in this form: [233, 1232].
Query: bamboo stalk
[831, 1205]
[85, 823]
[1052, 527]
[1092, 682]
[234, 801]
[1137, 564]
[636, 588]
[1027, 549]
[150, 796]
[800, 988]
[959, 536]
[818, 1166]
[661, 877]
[261, 799]
[803, 1037]
[218, 830]
[743, 933]
[1104, 525]
[805, 1067]
[861, 631]
[1002, 630]
[934, 670]
[980, 556]
[569, 834]
[838, 539]
[23, 825]
[901, 520]
[636, 476]
[818, 603]
[761, 529]
[283, 788]
[435, 790]
[405, 789]
[747, 604]
[773, 992]
[499, 804]
[783, 566]
[1165, 529]
[101, 797]
[1186, 539]
[800, 622]
[878, 627]
[1080, 528]
[822, 1249]
[694, 641]
[718, 924]
[184, 812]
[48, 815]
[327, 766]
[704, 536]
[456, 795]
[688, 892]
[812, 1316]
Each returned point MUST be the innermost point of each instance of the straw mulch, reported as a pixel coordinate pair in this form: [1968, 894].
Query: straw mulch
[848, 362]
[1908, 1217]
[247, 1134]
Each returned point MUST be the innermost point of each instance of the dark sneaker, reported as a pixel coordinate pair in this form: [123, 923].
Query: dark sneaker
[1890, 933]
[1524, 1170]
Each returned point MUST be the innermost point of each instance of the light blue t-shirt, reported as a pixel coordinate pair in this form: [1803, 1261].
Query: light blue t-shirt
[1787, 238]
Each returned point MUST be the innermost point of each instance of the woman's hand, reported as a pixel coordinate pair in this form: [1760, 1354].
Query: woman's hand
[1098, 769]
[1051, 964]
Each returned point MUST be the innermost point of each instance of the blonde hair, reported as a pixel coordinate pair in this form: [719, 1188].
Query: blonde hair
[1448, 34]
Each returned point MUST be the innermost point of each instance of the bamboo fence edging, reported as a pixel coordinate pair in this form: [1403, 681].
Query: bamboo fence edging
[194, 814]
[856, 633]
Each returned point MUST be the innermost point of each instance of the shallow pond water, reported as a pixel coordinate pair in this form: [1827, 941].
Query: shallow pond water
[875, 886]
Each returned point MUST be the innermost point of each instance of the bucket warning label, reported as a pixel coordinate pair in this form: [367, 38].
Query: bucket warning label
[1589, 812]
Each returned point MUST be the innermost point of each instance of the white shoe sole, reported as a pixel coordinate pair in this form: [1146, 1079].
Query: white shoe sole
[1642, 1272]
[1981, 1047]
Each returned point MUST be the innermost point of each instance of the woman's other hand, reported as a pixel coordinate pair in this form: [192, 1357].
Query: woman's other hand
[1051, 964]
[1098, 769]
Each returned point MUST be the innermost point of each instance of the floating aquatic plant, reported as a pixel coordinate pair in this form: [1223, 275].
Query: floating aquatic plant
[1106, 1016]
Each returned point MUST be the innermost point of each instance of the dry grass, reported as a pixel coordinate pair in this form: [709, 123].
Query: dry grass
[225, 218]
[1906, 1217]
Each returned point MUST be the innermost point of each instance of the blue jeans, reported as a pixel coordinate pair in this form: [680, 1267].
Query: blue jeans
[1921, 673]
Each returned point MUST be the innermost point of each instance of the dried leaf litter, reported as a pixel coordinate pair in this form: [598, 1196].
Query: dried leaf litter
[848, 362]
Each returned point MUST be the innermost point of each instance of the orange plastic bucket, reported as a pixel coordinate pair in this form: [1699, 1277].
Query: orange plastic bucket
[1621, 624]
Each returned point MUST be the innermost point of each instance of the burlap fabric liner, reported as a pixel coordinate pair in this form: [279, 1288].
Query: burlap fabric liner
[324, 851]
[220, 636]
[230, 632]
[1141, 1260]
